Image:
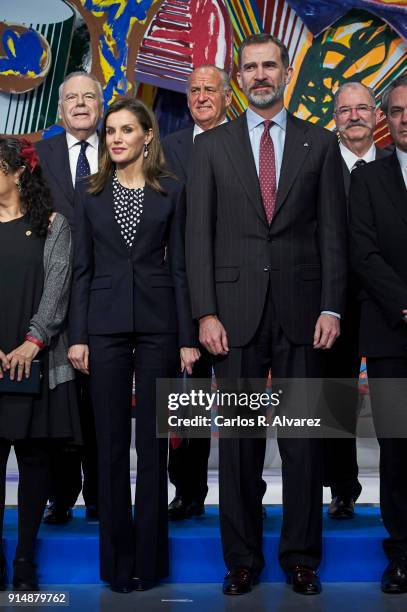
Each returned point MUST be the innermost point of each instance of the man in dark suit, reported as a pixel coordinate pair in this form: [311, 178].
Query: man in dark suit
[355, 117]
[266, 263]
[378, 237]
[209, 97]
[65, 159]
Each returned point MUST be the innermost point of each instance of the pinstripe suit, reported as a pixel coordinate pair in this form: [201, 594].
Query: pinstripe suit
[268, 285]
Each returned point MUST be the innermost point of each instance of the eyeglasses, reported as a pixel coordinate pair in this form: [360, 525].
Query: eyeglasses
[361, 109]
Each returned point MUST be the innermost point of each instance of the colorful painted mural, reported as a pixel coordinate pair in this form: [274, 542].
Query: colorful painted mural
[138, 46]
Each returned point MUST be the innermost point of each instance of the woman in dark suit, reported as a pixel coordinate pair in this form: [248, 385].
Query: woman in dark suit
[130, 312]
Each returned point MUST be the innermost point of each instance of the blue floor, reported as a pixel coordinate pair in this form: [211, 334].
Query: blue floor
[69, 554]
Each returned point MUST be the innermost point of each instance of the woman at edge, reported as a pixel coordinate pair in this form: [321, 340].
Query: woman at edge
[35, 273]
[130, 312]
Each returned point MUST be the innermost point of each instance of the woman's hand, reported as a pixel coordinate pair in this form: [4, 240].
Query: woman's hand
[21, 359]
[4, 363]
[78, 355]
[188, 358]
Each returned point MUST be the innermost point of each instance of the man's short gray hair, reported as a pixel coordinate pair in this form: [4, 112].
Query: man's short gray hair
[224, 75]
[82, 73]
[401, 81]
[353, 85]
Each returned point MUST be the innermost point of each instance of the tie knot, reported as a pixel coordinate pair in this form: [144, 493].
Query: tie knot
[84, 145]
[359, 163]
[267, 123]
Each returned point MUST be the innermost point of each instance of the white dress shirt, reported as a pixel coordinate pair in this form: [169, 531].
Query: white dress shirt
[402, 157]
[198, 130]
[255, 124]
[91, 153]
[350, 158]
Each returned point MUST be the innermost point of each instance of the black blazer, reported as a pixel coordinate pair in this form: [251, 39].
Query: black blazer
[231, 250]
[144, 289]
[378, 239]
[54, 159]
[178, 148]
[380, 153]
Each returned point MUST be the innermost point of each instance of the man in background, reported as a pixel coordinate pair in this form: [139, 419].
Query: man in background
[355, 118]
[378, 238]
[209, 96]
[65, 160]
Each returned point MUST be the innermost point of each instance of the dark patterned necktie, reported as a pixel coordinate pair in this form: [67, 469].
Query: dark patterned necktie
[267, 172]
[359, 164]
[82, 166]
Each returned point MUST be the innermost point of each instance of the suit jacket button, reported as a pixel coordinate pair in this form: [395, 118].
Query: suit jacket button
[269, 239]
[266, 269]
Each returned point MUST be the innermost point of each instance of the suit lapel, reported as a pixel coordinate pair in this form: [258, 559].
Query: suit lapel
[184, 150]
[393, 182]
[60, 167]
[241, 156]
[296, 149]
[346, 177]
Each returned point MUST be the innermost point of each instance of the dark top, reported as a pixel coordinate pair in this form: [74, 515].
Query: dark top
[121, 290]
[52, 413]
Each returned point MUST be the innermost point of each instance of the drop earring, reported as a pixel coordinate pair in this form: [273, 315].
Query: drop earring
[145, 151]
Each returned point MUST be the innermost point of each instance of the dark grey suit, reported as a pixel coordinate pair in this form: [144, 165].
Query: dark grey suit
[268, 285]
[378, 237]
[66, 473]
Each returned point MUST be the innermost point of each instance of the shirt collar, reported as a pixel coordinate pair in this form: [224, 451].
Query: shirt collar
[198, 130]
[350, 158]
[402, 157]
[71, 141]
[254, 120]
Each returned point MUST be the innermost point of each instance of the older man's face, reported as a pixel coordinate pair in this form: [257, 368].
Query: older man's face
[207, 99]
[397, 117]
[355, 116]
[80, 106]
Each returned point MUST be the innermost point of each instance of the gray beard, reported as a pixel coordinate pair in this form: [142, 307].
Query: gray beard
[265, 101]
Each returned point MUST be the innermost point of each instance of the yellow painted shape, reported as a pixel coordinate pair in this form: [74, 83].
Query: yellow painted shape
[332, 58]
[10, 45]
[375, 57]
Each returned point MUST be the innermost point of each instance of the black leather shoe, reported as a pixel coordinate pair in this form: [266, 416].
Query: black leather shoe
[341, 508]
[140, 584]
[92, 513]
[394, 579]
[56, 515]
[122, 587]
[239, 581]
[179, 509]
[304, 580]
[25, 575]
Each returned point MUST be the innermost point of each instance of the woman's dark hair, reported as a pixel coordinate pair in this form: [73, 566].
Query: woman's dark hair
[154, 166]
[35, 196]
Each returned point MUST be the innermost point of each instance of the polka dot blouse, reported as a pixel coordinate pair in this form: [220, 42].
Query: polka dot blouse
[128, 208]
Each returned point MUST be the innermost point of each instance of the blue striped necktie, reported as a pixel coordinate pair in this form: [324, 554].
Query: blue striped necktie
[82, 166]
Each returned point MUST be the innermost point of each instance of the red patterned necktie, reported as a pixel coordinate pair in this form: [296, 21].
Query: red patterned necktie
[267, 171]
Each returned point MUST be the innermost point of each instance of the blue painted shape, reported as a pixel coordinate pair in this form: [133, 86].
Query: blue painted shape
[120, 29]
[69, 555]
[28, 52]
[320, 14]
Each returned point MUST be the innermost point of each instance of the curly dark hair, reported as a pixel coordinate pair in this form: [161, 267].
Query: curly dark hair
[35, 196]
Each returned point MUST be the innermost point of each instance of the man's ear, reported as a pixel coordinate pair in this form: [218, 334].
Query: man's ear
[289, 74]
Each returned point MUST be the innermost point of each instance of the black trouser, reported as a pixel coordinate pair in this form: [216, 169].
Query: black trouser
[33, 460]
[131, 546]
[388, 409]
[188, 462]
[343, 361]
[241, 461]
[69, 461]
